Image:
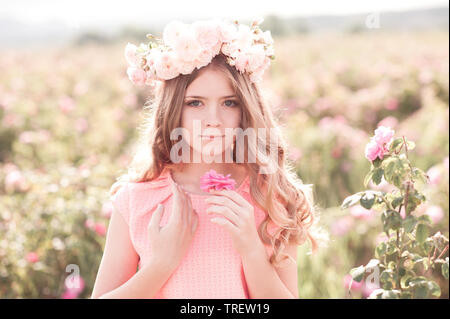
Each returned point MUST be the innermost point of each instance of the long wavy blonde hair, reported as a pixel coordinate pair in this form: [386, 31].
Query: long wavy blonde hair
[281, 194]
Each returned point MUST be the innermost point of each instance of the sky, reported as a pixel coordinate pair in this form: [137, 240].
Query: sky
[91, 13]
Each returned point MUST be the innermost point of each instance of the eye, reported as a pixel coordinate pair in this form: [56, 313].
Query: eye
[190, 103]
[234, 103]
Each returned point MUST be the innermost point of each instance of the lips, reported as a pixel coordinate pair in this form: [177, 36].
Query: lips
[211, 136]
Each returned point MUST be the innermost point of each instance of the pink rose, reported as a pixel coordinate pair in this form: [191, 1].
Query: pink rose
[107, 209]
[267, 37]
[186, 67]
[295, 154]
[336, 152]
[374, 150]
[392, 104]
[403, 212]
[136, 75]
[241, 61]
[207, 33]
[368, 288]
[216, 49]
[214, 180]
[89, 223]
[187, 46]
[15, 180]
[356, 286]
[244, 37]
[360, 212]
[74, 286]
[100, 229]
[32, 257]
[227, 49]
[383, 135]
[66, 104]
[342, 225]
[256, 57]
[204, 58]
[436, 213]
[381, 238]
[434, 175]
[130, 54]
[228, 32]
[172, 32]
[165, 66]
[81, 125]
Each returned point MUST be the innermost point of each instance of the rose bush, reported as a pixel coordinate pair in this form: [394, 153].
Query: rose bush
[408, 255]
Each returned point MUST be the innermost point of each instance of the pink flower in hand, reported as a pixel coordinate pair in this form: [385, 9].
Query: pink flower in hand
[213, 180]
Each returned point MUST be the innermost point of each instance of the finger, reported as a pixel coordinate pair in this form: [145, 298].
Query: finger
[189, 210]
[184, 205]
[155, 220]
[225, 223]
[176, 207]
[226, 212]
[234, 196]
[225, 201]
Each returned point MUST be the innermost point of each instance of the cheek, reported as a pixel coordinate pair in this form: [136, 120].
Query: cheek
[232, 118]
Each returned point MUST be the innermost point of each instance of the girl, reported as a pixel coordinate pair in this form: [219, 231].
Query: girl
[188, 243]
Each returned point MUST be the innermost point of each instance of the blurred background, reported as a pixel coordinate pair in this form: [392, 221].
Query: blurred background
[69, 115]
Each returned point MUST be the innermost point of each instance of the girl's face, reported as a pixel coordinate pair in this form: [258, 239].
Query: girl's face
[210, 106]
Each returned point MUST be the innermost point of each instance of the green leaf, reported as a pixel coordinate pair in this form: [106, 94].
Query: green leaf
[351, 200]
[420, 292]
[389, 168]
[396, 144]
[380, 250]
[419, 175]
[397, 201]
[421, 233]
[391, 220]
[377, 175]
[424, 219]
[377, 162]
[387, 278]
[391, 248]
[368, 178]
[367, 200]
[409, 223]
[411, 145]
[434, 288]
[358, 273]
[444, 269]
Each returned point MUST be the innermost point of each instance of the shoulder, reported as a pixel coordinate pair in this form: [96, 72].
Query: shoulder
[143, 196]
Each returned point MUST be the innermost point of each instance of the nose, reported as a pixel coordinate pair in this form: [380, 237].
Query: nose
[212, 119]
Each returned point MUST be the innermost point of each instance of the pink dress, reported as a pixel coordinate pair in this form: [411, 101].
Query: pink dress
[211, 268]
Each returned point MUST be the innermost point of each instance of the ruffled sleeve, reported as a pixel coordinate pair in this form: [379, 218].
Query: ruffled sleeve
[121, 202]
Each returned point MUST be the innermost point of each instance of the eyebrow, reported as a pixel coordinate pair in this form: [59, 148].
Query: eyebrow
[203, 97]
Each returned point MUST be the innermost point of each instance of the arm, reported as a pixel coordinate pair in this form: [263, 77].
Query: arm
[117, 277]
[267, 282]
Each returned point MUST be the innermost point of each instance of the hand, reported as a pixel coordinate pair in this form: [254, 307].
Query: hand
[169, 243]
[239, 219]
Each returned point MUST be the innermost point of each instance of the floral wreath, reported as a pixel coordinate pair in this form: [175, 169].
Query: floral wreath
[185, 47]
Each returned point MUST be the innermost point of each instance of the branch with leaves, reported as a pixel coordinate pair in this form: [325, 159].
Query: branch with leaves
[405, 261]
